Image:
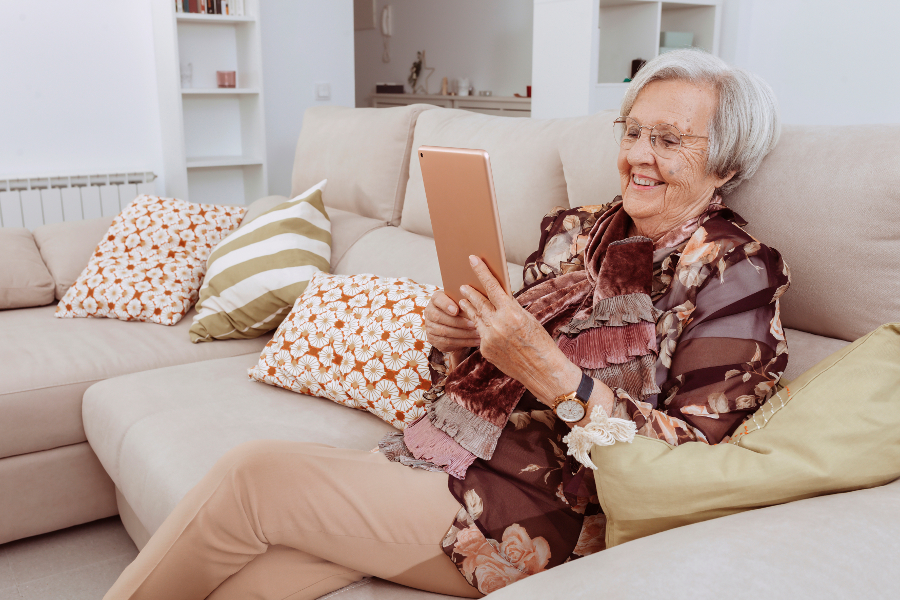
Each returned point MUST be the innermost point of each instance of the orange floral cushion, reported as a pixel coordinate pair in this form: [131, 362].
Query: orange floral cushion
[151, 262]
[358, 341]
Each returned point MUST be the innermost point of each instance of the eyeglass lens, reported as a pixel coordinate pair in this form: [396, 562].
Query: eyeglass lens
[664, 138]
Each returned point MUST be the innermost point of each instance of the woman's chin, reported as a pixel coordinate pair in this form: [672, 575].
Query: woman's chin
[641, 205]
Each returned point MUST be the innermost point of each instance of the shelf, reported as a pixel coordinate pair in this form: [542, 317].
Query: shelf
[217, 91]
[213, 139]
[506, 106]
[205, 162]
[475, 98]
[200, 18]
[665, 3]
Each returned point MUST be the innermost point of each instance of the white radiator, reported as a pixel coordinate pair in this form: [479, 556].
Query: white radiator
[34, 201]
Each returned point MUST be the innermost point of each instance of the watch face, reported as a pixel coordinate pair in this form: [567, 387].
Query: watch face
[570, 411]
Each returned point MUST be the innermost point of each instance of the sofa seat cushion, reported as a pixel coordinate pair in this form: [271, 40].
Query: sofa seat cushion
[396, 252]
[372, 588]
[158, 432]
[47, 363]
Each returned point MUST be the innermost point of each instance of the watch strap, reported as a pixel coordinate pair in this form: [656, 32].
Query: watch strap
[585, 388]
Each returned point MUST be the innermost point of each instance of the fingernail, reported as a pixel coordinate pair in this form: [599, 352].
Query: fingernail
[453, 310]
[472, 260]
[470, 323]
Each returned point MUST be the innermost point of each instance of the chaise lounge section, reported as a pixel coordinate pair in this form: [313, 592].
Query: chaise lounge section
[158, 419]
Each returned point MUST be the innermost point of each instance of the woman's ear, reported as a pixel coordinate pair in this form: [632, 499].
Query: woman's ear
[720, 181]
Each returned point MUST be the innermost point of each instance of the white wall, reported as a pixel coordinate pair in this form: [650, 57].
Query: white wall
[488, 41]
[303, 41]
[563, 57]
[78, 83]
[77, 88]
[829, 62]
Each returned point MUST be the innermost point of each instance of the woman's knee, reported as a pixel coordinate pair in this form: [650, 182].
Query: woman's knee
[249, 456]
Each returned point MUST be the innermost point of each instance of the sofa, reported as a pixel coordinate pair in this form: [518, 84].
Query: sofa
[99, 417]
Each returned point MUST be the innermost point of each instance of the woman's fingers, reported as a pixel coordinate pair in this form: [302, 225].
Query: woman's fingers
[444, 331]
[474, 303]
[435, 315]
[445, 303]
[451, 344]
[495, 292]
[447, 329]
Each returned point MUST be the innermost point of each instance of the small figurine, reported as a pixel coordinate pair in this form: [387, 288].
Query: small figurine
[444, 86]
[414, 71]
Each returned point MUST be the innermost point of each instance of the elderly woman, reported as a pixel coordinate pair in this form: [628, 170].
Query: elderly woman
[657, 311]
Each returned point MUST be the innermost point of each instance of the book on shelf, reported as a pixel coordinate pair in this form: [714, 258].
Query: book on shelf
[211, 7]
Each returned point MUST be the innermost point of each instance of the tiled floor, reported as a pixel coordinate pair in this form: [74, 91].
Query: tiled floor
[79, 563]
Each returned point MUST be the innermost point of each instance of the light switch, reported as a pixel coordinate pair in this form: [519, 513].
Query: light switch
[323, 90]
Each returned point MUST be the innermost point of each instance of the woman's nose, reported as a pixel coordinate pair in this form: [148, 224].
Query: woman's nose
[642, 153]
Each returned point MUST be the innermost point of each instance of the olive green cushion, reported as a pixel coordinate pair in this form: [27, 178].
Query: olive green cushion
[835, 428]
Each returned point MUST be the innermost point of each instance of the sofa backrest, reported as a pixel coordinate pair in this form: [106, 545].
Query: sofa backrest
[364, 154]
[531, 160]
[828, 198]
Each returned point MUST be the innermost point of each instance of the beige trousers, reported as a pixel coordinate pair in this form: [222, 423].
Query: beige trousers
[279, 520]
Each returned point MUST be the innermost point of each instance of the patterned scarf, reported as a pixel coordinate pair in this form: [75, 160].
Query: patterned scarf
[602, 318]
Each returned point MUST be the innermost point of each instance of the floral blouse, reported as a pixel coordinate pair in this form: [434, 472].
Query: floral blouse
[721, 352]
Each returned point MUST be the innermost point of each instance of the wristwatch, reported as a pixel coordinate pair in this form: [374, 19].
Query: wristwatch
[572, 407]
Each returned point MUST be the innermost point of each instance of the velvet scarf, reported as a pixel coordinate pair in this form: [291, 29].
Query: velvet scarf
[601, 317]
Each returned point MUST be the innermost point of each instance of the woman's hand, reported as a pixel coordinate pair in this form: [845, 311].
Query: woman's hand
[445, 328]
[514, 341]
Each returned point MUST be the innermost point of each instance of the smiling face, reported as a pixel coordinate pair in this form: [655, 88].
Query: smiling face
[661, 193]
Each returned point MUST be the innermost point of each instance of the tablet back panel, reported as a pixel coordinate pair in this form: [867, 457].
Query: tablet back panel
[464, 218]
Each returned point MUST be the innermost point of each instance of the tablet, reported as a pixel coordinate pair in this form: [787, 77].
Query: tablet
[464, 218]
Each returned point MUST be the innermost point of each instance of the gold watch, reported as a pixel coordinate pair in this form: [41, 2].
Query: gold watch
[572, 407]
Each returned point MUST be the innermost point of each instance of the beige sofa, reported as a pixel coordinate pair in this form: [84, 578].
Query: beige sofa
[163, 410]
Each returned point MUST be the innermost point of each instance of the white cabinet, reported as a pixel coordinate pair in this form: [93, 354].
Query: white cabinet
[630, 29]
[583, 48]
[213, 139]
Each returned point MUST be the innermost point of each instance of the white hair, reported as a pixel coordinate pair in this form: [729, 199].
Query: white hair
[745, 125]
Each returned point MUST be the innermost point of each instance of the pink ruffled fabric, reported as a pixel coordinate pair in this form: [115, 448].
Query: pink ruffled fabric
[600, 347]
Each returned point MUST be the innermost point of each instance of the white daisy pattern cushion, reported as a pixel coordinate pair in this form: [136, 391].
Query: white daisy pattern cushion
[358, 341]
[151, 262]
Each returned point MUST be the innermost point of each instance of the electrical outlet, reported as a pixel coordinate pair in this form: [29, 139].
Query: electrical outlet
[323, 90]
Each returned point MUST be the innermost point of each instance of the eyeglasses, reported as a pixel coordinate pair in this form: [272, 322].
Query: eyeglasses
[665, 139]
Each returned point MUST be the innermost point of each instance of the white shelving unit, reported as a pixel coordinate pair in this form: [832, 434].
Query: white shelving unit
[630, 29]
[213, 139]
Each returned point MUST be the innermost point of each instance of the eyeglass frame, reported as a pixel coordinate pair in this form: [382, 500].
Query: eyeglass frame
[641, 128]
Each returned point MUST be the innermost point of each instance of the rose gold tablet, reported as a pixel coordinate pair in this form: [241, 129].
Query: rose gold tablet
[464, 218]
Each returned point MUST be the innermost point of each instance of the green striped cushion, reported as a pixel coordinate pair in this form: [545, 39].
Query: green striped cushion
[255, 274]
